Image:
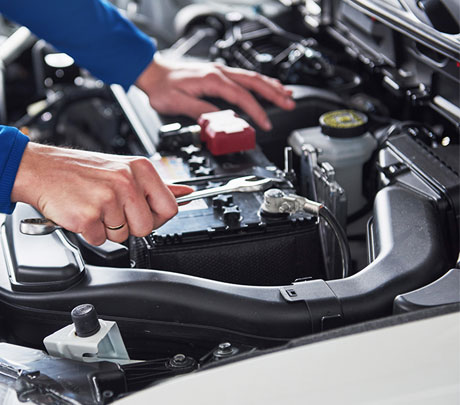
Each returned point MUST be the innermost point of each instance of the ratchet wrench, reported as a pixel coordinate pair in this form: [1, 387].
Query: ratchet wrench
[246, 184]
[38, 226]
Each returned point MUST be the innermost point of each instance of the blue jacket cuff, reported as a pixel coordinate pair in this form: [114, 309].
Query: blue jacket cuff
[10, 169]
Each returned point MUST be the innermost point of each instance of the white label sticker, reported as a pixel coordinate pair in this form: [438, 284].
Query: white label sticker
[170, 168]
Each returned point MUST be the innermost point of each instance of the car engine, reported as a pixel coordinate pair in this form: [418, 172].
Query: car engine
[358, 218]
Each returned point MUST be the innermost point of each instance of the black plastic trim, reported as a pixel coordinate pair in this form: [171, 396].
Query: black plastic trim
[412, 253]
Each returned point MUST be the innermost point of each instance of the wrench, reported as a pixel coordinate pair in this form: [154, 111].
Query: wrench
[38, 226]
[246, 184]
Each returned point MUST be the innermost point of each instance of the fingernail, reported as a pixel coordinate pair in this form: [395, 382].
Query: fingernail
[267, 126]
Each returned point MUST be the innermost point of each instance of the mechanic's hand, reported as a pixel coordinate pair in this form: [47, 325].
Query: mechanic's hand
[87, 192]
[176, 88]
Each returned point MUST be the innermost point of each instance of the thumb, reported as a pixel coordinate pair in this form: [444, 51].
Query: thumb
[179, 190]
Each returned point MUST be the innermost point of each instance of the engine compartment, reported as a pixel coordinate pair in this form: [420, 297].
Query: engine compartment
[224, 278]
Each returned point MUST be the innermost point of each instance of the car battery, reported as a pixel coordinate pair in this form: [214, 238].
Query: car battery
[226, 237]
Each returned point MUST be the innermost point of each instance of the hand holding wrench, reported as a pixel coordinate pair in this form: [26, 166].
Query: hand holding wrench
[246, 184]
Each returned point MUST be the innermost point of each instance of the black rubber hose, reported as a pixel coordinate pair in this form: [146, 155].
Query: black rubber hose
[410, 253]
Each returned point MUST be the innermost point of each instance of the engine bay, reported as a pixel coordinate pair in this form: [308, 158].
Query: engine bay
[373, 141]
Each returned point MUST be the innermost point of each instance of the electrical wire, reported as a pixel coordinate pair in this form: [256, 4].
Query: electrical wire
[341, 236]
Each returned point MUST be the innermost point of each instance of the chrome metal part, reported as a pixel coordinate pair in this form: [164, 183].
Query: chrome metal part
[246, 184]
[38, 226]
[276, 202]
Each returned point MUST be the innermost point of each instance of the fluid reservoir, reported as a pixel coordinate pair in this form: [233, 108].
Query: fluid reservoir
[345, 143]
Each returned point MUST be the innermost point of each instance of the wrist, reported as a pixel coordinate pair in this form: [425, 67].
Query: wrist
[28, 178]
[151, 74]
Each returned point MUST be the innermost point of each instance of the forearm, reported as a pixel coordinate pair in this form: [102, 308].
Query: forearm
[91, 31]
[12, 145]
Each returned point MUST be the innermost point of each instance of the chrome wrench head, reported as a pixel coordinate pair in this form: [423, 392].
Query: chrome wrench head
[248, 184]
[38, 226]
[242, 184]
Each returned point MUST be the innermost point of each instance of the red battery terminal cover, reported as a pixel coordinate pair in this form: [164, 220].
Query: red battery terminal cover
[224, 132]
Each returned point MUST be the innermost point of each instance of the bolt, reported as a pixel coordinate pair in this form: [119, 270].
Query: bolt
[179, 359]
[225, 347]
[285, 207]
[274, 193]
[32, 375]
[273, 200]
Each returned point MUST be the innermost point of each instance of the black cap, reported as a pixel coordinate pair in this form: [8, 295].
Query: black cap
[222, 200]
[85, 319]
[232, 215]
[343, 123]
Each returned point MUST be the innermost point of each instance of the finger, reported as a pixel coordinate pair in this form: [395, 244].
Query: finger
[163, 205]
[117, 234]
[237, 95]
[272, 82]
[181, 103]
[159, 198]
[139, 216]
[179, 190]
[264, 86]
[132, 199]
[193, 107]
[114, 217]
[250, 76]
[109, 211]
[95, 233]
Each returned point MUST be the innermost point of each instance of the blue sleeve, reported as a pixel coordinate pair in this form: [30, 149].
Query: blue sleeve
[92, 31]
[12, 145]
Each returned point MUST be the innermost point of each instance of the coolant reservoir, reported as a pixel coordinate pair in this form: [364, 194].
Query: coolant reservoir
[346, 144]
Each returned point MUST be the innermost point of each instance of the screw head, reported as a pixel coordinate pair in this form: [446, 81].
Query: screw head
[273, 193]
[225, 349]
[179, 358]
[181, 361]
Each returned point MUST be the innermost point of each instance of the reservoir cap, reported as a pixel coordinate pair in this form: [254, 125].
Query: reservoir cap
[85, 320]
[343, 123]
